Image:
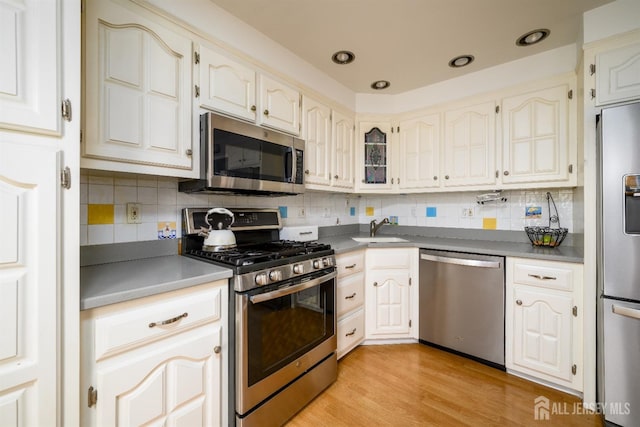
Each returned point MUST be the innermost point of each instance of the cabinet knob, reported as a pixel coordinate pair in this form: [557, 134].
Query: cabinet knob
[266, 112]
[335, 176]
[217, 349]
[506, 173]
[375, 283]
[253, 108]
[446, 177]
[306, 171]
[189, 152]
[519, 301]
[435, 178]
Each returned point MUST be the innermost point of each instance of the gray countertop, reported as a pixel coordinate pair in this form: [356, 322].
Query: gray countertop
[113, 282]
[345, 243]
[109, 274]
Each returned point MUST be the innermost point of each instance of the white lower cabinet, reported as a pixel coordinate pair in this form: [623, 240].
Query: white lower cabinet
[159, 360]
[544, 321]
[350, 301]
[389, 293]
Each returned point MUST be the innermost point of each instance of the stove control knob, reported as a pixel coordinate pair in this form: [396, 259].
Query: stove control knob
[275, 275]
[317, 264]
[326, 262]
[298, 268]
[262, 279]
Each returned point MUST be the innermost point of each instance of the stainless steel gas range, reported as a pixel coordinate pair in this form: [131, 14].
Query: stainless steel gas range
[282, 315]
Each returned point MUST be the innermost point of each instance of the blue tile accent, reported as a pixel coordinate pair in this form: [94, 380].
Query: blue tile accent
[432, 212]
[283, 211]
[352, 211]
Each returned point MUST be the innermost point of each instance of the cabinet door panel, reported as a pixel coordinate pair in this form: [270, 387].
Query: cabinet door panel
[227, 85]
[343, 151]
[388, 310]
[30, 83]
[29, 288]
[175, 383]
[280, 106]
[618, 75]
[543, 332]
[536, 136]
[317, 136]
[419, 151]
[138, 91]
[470, 145]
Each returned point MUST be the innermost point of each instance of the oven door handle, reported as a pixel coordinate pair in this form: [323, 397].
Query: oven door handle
[256, 299]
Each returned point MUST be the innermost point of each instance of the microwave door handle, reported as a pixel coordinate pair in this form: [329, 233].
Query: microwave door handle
[294, 165]
[267, 296]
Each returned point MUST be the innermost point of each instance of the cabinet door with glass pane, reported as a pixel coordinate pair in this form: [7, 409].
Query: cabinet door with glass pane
[375, 151]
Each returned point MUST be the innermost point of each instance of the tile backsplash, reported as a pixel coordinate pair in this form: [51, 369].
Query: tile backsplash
[104, 199]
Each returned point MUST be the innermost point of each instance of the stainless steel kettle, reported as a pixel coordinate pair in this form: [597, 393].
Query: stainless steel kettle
[219, 236]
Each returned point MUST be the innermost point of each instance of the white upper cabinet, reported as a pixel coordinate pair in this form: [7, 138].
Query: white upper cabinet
[233, 88]
[317, 136]
[279, 106]
[469, 145]
[618, 74]
[138, 93]
[343, 148]
[374, 154]
[227, 85]
[419, 156]
[30, 99]
[535, 136]
[329, 147]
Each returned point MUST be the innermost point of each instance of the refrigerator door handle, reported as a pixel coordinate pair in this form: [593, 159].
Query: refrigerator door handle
[626, 311]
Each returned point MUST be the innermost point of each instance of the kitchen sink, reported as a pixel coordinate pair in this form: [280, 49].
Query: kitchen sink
[379, 239]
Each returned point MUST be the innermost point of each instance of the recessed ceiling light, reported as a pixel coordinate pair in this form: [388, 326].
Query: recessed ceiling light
[380, 84]
[461, 61]
[533, 37]
[343, 57]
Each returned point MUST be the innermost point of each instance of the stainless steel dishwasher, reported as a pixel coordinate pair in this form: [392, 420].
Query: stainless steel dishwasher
[462, 304]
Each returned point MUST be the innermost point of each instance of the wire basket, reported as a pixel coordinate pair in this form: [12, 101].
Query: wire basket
[548, 236]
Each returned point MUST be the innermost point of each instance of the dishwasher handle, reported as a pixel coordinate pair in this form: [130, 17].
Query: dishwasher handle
[461, 261]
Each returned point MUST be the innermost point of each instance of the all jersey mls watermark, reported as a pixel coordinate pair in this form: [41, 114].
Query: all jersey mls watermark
[544, 409]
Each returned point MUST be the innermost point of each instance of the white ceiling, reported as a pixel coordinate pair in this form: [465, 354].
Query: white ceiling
[410, 42]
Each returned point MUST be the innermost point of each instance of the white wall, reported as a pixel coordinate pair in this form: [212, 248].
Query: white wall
[162, 204]
[613, 18]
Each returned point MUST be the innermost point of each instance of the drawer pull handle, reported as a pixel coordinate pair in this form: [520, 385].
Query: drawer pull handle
[539, 277]
[168, 321]
[348, 334]
[350, 296]
[519, 301]
[350, 266]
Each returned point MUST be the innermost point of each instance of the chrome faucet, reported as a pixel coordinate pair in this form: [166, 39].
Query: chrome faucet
[373, 227]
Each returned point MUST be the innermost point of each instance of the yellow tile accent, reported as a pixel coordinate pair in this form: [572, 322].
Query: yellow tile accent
[369, 211]
[489, 223]
[100, 214]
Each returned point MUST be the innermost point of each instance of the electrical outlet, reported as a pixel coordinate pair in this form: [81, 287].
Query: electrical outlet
[134, 214]
[301, 213]
[467, 212]
[326, 212]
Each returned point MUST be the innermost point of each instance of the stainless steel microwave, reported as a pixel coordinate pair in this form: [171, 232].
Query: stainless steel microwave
[243, 158]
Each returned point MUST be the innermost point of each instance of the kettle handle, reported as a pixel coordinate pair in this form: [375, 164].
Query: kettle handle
[222, 211]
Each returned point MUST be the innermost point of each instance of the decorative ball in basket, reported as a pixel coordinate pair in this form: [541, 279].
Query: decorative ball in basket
[550, 236]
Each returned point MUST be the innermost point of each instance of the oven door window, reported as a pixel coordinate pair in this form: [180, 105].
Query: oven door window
[241, 156]
[282, 329]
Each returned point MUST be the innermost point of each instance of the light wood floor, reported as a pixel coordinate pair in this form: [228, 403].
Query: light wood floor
[416, 385]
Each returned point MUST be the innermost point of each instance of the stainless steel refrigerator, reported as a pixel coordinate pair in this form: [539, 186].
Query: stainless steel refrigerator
[619, 264]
